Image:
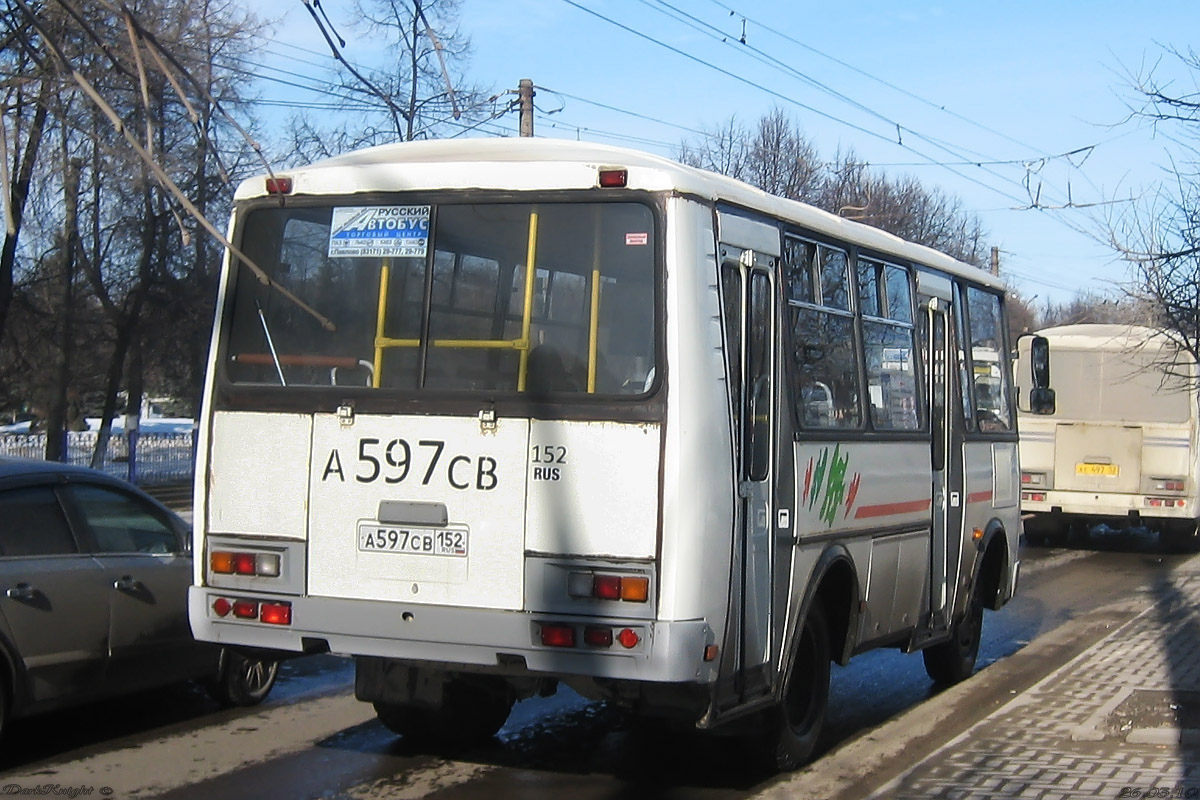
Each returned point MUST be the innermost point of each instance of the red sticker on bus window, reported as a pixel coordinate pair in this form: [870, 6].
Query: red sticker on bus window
[637, 238]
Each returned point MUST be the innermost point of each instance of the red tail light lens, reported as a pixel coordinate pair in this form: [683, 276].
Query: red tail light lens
[597, 637]
[276, 613]
[556, 635]
[614, 178]
[607, 587]
[628, 638]
[245, 609]
[279, 185]
[222, 607]
[245, 563]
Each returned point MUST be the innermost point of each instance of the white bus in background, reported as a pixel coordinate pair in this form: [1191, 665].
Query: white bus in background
[1109, 434]
[491, 416]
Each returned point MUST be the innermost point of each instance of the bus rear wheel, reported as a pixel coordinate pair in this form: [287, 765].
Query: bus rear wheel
[954, 660]
[472, 711]
[795, 726]
[1179, 536]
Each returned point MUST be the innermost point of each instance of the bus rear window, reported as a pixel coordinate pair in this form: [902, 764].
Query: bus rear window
[419, 297]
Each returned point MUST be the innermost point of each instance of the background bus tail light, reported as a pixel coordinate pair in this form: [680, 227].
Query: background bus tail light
[1169, 484]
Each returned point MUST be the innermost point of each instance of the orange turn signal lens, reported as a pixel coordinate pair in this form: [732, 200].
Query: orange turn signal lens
[221, 563]
[635, 590]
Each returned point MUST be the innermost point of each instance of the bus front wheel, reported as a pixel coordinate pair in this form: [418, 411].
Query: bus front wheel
[796, 725]
[954, 660]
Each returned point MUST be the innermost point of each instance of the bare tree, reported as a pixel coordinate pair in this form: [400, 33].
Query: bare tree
[1160, 236]
[417, 91]
[778, 158]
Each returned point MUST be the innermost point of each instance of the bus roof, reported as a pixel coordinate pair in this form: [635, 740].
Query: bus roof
[1104, 336]
[534, 164]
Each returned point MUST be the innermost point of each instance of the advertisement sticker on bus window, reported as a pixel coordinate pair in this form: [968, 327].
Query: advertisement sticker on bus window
[379, 232]
[634, 239]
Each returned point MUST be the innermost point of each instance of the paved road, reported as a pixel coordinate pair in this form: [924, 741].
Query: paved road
[312, 739]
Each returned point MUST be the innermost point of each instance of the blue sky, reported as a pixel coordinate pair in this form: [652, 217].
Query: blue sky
[1019, 84]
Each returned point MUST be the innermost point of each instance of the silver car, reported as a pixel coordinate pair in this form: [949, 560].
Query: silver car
[93, 596]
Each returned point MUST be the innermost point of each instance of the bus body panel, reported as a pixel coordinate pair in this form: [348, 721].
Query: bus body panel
[358, 548]
[698, 486]
[257, 475]
[495, 639]
[593, 488]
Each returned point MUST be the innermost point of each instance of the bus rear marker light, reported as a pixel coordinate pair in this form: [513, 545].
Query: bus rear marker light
[557, 635]
[628, 638]
[245, 609]
[597, 637]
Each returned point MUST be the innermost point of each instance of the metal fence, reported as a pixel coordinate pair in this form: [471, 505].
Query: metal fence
[148, 459]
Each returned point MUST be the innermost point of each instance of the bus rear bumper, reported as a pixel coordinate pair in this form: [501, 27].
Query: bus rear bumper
[508, 642]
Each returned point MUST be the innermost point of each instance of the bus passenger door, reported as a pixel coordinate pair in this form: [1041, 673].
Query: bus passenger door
[946, 461]
[748, 289]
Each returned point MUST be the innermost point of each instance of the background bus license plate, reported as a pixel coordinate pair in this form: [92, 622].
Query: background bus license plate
[1098, 469]
[377, 538]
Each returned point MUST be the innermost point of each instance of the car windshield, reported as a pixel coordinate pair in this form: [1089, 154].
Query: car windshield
[442, 297]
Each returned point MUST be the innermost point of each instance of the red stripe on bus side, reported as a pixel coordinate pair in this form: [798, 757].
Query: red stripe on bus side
[980, 497]
[888, 509]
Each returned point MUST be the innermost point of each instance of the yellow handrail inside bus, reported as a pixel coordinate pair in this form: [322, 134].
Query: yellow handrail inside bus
[527, 312]
[594, 330]
[384, 277]
[523, 343]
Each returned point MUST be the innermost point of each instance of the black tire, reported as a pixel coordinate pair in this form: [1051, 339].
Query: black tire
[795, 726]
[954, 660]
[472, 711]
[1044, 530]
[244, 680]
[1179, 536]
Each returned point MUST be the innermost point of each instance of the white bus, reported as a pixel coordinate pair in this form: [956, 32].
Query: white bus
[1112, 435]
[495, 415]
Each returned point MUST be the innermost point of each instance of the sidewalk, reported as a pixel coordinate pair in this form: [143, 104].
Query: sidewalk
[1121, 720]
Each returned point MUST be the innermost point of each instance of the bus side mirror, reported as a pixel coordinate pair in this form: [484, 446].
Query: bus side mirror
[1041, 400]
[1041, 396]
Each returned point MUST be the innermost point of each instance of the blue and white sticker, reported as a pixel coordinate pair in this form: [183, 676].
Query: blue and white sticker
[379, 231]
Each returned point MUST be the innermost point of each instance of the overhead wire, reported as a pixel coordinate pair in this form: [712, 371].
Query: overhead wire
[783, 97]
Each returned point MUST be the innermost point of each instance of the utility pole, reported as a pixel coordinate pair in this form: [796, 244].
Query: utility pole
[525, 94]
[996, 261]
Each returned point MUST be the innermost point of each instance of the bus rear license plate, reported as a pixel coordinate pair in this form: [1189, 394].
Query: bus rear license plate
[379, 538]
[1109, 470]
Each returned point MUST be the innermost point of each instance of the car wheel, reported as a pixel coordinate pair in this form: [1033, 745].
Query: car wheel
[795, 726]
[244, 680]
[954, 660]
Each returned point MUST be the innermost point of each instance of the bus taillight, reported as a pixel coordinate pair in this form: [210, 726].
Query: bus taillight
[613, 178]
[630, 588]
[264, 565]
[557, 635]
[276, 613]
[279, 185]
[270, 613]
